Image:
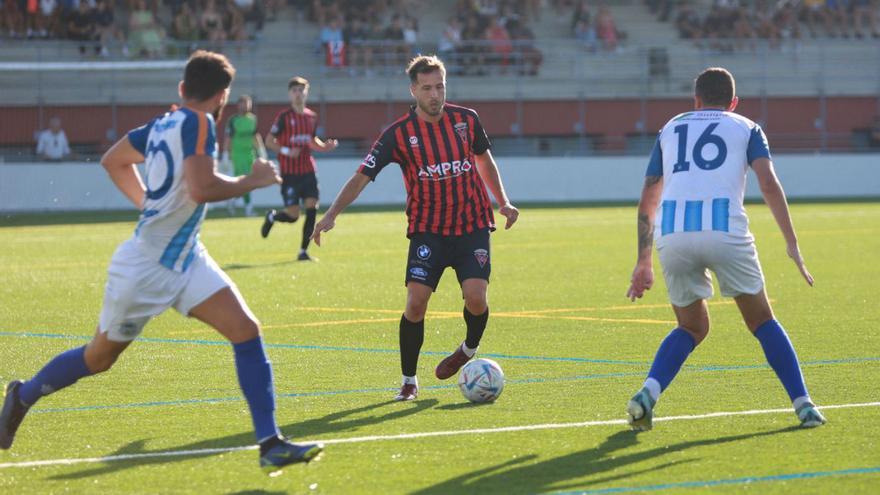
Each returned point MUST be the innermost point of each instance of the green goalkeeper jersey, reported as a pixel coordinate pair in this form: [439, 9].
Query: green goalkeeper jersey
[241, 130]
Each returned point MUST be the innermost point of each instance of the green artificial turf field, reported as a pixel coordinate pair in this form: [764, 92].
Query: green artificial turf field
[573, 349]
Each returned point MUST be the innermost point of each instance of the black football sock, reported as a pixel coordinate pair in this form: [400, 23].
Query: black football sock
[308, 227]
[476, 324]
[412, 335]
[282, 216]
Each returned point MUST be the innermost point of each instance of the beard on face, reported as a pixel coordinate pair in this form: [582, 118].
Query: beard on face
[426, 107]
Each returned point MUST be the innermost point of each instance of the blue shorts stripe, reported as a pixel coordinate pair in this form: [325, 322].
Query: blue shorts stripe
[667, 226]
[721, 214]
[693, 216]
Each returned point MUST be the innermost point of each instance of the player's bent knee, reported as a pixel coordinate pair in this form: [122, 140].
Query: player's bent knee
[100, 364]
[698, 332]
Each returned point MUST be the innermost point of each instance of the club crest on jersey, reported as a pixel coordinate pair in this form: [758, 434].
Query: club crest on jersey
[413, 141]
[462, 130]
[482, 257]
[423, 252]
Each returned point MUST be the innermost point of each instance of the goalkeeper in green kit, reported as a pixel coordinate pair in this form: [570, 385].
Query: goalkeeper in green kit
[243, 146]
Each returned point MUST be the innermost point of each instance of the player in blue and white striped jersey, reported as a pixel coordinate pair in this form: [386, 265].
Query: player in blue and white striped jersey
[692, 206]
[164, 264]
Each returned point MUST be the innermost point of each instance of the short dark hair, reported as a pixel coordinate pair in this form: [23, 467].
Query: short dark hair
[206, 74]
[715, 86]
[424, 64]
[297, 81]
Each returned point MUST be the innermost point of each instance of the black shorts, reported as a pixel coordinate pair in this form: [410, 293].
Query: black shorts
[430, 254]
[295, 188]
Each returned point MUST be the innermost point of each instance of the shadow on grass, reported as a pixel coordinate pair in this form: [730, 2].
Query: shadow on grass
[521, 475]
[464, 405]
[247, 266]
[332, 423]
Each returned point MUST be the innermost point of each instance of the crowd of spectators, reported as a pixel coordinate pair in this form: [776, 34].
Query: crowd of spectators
[138, 28]
[728, 25]
[482, 36]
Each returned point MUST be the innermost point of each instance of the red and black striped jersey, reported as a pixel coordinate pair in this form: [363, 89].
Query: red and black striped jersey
[444, 192]
[296, 131]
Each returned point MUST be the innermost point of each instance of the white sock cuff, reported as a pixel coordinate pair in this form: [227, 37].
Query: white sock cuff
[410, 380]
[800, 401]
[654, 388]
[467, 350]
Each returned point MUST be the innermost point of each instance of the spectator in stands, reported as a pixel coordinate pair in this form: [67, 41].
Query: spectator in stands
[864, 16]
[450, 44]
[252, 10]
[500, 45]
[82, 27]
[234, 25]
[52, 144]
[528, 56]
[661, 8]
[48, 18]
[473, 48]
[606, 29]
[331, 32]
[786, 20]
[105, 25]
[185, 26]
[585, 33]
[813, 11]
[580, 16]
[211, 23]
[688, 22]
[838, 12]
[395, 47]
[356, 36]
[743, 20]
[411, 35]
[144, 32]
[12, 19]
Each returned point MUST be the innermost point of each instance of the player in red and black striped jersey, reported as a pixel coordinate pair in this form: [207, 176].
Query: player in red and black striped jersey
[293, 137]
[445, 158]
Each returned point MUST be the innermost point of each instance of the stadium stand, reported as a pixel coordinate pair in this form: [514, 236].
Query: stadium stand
[577, 59]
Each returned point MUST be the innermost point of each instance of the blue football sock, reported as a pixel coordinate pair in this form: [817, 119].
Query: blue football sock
[782, 358]
[670, 356]
[62, 371]
[255, 378]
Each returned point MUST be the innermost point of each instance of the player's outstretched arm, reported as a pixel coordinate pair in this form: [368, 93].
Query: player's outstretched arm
[206, 185]
[488, 170]
[643, 274]
[349, 192]
[774, 196]
[119, 161]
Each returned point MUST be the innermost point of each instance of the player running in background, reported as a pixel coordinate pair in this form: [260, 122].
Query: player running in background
[165, 265]
[697, 178]
[243, 146]
[293, 138]
[444, 155]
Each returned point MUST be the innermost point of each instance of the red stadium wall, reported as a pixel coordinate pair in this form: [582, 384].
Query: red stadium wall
[363, 121]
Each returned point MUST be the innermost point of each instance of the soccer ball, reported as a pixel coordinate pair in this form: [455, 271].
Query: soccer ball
[481, 380]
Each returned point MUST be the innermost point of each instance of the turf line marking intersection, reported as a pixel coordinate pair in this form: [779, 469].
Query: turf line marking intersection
[410, 436]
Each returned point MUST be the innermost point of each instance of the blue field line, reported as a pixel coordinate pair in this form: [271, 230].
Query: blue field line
[152, 340]
[691, 367]
[323, 393]
[725, 482]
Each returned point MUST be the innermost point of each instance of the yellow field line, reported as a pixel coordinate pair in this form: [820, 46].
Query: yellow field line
[370, 310]
[582, 318]
[612, 308]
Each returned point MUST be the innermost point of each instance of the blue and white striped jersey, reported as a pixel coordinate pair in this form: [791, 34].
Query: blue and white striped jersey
[704, 157]
[168, 230]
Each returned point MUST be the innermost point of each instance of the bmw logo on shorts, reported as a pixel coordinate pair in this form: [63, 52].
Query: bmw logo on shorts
[424, 252]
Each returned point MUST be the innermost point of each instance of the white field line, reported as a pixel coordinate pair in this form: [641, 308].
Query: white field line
[408, 436]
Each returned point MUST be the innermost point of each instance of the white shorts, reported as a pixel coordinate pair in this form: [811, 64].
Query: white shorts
[687, 257]
[139, 288]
